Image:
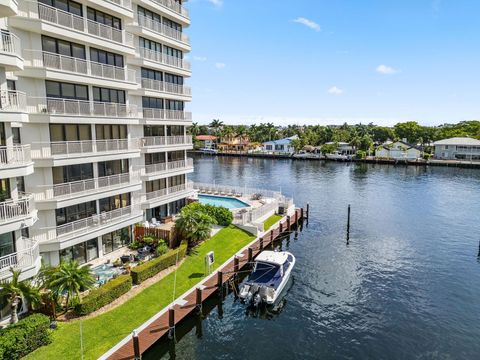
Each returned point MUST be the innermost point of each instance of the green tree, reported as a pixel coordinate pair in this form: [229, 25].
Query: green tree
[297, 144]
[409, 130]
[216, 125]
[69, 278]
[328, 148]
[194, 223]
[16, 290]
[194, 129]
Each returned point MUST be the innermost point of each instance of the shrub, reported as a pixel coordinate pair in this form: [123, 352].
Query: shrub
[162, 248]
[16, 341]
[361, 154]
[153, 267]
[104, 295]
[222, 215]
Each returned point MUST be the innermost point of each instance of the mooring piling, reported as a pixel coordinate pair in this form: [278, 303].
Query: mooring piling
[271, 238]
[136, 345]
[478, 249]
[171, 323]
[348, 225]
[250, 255]
[198, 300]
[236, 266]
[219, 279]
[288, 223]
[308, 211]
[261, 243]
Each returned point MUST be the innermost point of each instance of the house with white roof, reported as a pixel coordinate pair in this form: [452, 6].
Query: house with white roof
[280, 146]
[398, 150]
[457, 148]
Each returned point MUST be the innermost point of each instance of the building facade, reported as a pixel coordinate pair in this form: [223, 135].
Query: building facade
[281, 146]
[458, 148]
[93, 125]
[398, 150]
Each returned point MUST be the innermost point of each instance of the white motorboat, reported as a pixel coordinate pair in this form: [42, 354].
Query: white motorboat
[269, 277]
[307, 155]
[338, 156]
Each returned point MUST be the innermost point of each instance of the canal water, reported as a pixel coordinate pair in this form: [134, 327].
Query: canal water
[406, 287]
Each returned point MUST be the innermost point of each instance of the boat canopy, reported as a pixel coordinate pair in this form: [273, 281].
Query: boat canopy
[273, 257]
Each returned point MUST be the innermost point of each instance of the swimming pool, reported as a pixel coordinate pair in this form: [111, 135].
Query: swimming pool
[103, 273]
[227, 202]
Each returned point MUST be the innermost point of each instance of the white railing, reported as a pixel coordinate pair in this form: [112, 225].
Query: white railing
[13, 101]
[75, 148]
[162, 114]
[164, 58]
[84, 186]
[127, 4]
[238, 190]
[74, 107]
[27, 254]
[95, 221]
[168, 166]
[161, 28]
[157, 195]
[11, 44]
[16, 208]
[166, 140]
[173, 5]
[44, 59]
[51, 14]
[14, 155]
[163, 86]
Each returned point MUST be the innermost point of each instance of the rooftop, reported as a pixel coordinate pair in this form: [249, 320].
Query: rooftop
[206, 137]
[458, 141]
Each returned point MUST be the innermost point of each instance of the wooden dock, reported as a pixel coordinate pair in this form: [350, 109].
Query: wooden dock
[156, 328]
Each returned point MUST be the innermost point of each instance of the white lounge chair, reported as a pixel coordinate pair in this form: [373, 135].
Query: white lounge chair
[154, 222]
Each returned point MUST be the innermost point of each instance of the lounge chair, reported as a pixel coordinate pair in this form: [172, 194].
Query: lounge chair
[154, 222]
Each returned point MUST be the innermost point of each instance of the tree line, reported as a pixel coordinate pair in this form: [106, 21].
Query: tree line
[362, 136]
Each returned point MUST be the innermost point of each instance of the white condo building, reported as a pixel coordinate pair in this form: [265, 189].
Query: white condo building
[93, 125]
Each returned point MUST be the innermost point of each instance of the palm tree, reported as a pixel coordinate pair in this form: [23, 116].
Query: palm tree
[216, 125]
[194, 129]
[17, 290]
[70, 278]
[194, 224]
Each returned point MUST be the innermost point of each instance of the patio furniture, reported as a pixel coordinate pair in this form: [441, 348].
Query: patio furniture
[146, 224]
[167, 219]
[154, 222]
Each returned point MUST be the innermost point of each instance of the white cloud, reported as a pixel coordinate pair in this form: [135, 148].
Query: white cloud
[386, 70]
[217, 3]
[220, 65]
[200, 58]
[334, 90]
[308, 23]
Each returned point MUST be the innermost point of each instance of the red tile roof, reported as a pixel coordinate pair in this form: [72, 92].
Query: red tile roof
[206, 137]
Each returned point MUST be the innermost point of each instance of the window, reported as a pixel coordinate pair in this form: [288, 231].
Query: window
[154, 158]
[16, 135]
[176, 155]
[4, 189]
[156, 185]
[108, 95]
[70, 173]
[75, 212]
[114, 202]
[175, 130]
[174, 79]
[11, 85]
[173, 52]
[21, 184]
[174, 105]
[154, 130]
[65, 5]
[103, 18]
[105, 57]
[113, 167]
[153, 103]
[70, 132]
[172, 24]
[152, 74]
[149, 44]
[148, 14]
[176, 206]
[107, 132]
[176, 180]
[60, 90]
[83, 252]
[116, 239]
[7, 243]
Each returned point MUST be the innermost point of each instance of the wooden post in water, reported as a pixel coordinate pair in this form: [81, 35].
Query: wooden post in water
[236, 266]
[478, 249]
[281, 227]
[198, 300]
[250, 255]
[288, 223]
[271, 238]
[136, 345]
[308, 211]
[261, 244]
[348, 225]
[301, 213]
[219, 279]
[171, 323]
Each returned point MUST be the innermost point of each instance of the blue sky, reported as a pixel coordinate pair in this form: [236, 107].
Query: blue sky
[331, 61]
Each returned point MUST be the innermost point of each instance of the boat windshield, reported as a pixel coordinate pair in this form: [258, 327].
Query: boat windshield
[263, 272]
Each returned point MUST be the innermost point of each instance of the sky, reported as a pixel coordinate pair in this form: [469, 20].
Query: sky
[335, 61]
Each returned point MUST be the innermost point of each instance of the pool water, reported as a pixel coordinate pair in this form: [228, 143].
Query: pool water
[227, 202]
[103, 273]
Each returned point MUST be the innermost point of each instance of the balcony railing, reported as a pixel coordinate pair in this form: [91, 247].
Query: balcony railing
[44, 59]
[11, 44]
[162, 114]
[51, 14]
[93, 185]
[164, 58]
[164, 193]
[75, 148]
[166, 140]
[24, 258]
[95, 221]
[16, 208]
[173, 5]
[13, 101]
[161, 28]
[168, 166]
[72, 107]
[14, 155]
[167, 87]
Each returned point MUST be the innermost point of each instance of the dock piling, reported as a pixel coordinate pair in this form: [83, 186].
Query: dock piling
[198, 300]
[308, 211]
[250, 255]
[271, 238]
[219, 279]
[236, 266]
[171, 323]
[288, 223]
[136, 345]
[348, 225]
[261, 243]
[478, 249]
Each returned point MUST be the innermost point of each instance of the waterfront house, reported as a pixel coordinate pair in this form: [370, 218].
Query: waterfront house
[457, 148]
[281, 146]
[232, 143]
[398, 150]
[206, 141]
[343, 148]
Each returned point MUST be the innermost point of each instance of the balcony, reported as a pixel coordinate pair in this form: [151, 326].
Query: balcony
[80, 67]
[8, 8]
[77, 27]
[165, 87]
[155, 142]
[61, 153]
[13, 101]
[168, 115]
[162, 29]
[26, 258]
[173, 6]
[157, 171]
[164, 59]
[84, 108]
[11, 52]
[17, 213]
[164, 196]
[15, 161]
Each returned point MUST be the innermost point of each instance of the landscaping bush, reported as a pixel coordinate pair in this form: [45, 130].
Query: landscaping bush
[153, 267]
[162, 248]
[104, 295]
[16, 341]
[223, 216]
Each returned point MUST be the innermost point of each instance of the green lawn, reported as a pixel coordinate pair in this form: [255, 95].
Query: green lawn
[104, 331]
[267, 224]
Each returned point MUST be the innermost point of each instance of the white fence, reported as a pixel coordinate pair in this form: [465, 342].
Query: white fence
[11, 44]
[14, 155]
[12, 100]
[21, 259]
[168, 166]
[16, 208]
[167, 192]
[173, 5]
[163, 86]
[164, 58]
[166, 140]
[162, 114]
[161, 28]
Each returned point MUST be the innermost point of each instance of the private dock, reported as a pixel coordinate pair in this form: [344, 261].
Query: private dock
[163, 323]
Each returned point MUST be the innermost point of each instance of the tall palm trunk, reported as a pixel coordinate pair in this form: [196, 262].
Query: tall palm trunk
[14, 310]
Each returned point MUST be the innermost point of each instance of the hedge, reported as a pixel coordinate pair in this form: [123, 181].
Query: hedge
[223, 215]
[151, 268]
[104, 295]
[30, 333]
